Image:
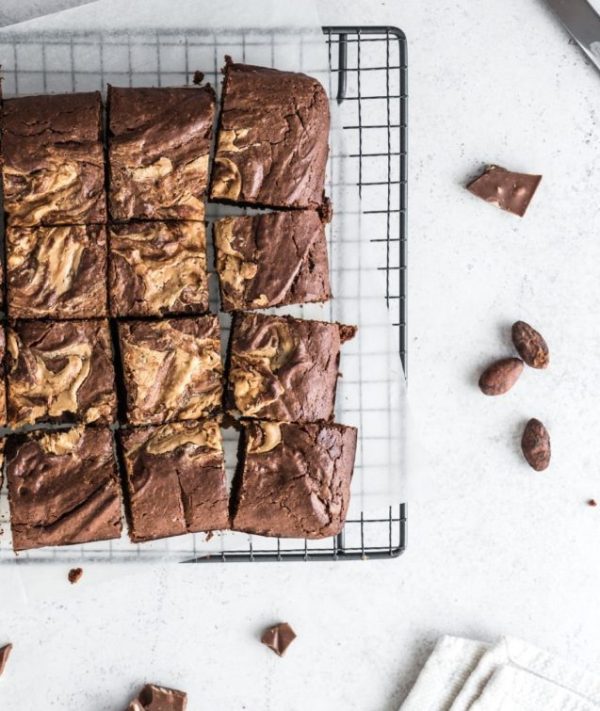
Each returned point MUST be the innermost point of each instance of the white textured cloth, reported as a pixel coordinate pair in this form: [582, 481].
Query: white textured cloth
[444, 674]
[512, 675]
[512, 689]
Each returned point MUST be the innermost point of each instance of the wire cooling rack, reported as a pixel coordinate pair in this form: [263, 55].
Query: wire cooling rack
[368, 75]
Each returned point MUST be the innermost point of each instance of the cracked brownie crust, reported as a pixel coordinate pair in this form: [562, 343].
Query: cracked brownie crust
[63, 488]
[158, 698]
[60, 371]
[175, 479]
[159, 141]
[294, 480]
[172, 369]
[57, 272]
[273, 139]
[283, 368]
[158, 268]
[271, 260]
[53, 164]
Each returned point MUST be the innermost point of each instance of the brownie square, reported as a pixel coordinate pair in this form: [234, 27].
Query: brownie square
[175, 479]
[158, 268]
[159, 141]
[294, 480]
[273, 139]
[2, 378]
[53, 160]
[60, 371]
[283, 368]
[172, 369]
[271, 260]
[57, 272]
[63, 487]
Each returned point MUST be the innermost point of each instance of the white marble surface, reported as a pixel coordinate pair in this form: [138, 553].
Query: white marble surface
[493, 547]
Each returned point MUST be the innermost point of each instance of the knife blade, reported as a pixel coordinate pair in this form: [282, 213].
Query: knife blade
[583, 24]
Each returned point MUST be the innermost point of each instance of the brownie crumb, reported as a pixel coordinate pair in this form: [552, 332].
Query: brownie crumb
[4, 655]
[75, 575]
[198, 77]
[208, 536]
[278, 638]
[592, 502]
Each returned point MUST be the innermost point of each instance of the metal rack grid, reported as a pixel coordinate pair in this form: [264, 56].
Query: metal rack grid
[368, 73]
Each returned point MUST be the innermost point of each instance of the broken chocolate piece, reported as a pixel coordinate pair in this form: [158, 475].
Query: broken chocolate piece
[4, 655]
[507, 190]
[158, 698]
[278, 638]
[75, 575]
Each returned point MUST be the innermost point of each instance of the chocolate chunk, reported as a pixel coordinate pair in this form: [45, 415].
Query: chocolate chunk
[271, 260]
[172, 369]
[507, 190]
[273, 139]
[158, 698]
[294, 480]
[60, 372]
[198, 77]
[4, 655]
[63, 487]
[57, 272]
[159, 141]
[53, 160]
[75, 575]
[175, 479]
[278, 638]
[158, 268]
[283, 368]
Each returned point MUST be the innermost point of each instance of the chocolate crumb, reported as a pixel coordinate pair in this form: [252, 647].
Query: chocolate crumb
[208, 536]
[4, 655]
[198, 77]
[592, 502]
[75, 575]
[278, 638]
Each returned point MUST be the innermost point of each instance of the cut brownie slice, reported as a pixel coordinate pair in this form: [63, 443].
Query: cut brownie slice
[56, 272]
[271, 260]
[60, 372]
[63, 487]
[158, 268]
[53, 160]
[294, 480]
[175, 479]
[159, 141]
[273, 139]
[2, 377]
[158, 698]
[2, 443]
[172, 369]
[283, 368]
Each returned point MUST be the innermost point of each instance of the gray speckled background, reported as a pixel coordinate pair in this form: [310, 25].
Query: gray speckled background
[493, 547]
